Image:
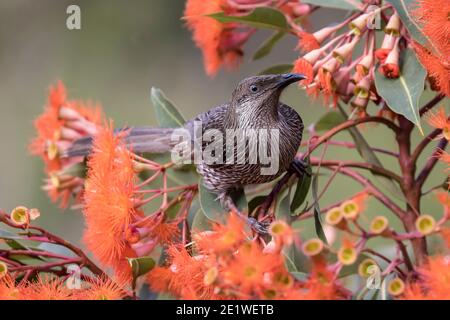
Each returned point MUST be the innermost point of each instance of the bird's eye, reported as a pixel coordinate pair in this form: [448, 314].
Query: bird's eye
[254, 88]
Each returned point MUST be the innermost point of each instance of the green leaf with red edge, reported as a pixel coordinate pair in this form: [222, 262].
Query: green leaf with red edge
[404, 9]
[402, 94]
[336, 4]
[264, 17]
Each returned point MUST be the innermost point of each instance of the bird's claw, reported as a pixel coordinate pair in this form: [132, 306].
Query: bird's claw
[262, 228]
[300, 167]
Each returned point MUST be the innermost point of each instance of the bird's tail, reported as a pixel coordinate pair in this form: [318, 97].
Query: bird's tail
[139, 139]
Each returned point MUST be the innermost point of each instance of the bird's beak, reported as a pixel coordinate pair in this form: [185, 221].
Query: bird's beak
[288, 78]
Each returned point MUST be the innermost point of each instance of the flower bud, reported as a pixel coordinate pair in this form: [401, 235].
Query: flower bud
[313, 247]
[331, 65]
[20, 216]
[366, 267]
[143, 249]
[396, 287]
[359, 24]
[379, 225]
[281, 230]
[70, 134]
[344, 51]
[132, 235]
[350, 209]
[393, 26]
[390, 68]
[347, 255]
[3, 269]
[425, 224]
[364, 65]
[360, 103]
[66, 113]
[386, 47]
[334, 217]
[362, 88]
[313, 56]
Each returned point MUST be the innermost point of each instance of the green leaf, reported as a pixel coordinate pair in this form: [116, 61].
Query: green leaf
[9, 235]
[301, 191]
[336, 4]
[200, 222]
[196, 217]
[317, 223]
[15, 245]
[210, 204]
[266, 18]
[56, 248]
[277, 69]
[404, 8]
[255, 202]
[402, 94]
[268, 45]
[329, 120]
[166, 113]
[140, 266]
[301, 276]
[283, 210]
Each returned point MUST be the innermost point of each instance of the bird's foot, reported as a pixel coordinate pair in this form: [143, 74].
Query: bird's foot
[300, 168]
[260, 227]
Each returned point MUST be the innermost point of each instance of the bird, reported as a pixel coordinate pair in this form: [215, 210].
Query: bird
[254, 105]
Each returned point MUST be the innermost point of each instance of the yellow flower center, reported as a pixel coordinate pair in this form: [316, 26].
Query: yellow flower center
[446, 133]
[249, 271]
[350, 209]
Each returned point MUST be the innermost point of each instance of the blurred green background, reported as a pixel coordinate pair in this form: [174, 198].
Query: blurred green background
[122, 50]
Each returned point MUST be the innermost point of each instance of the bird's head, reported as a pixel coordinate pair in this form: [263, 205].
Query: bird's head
[261, 94]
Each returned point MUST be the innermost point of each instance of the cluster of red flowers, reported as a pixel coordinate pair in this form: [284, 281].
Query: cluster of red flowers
[226, 263]
[112, 198]
[220, 43]
[53, 288]
[117, 227]
[329, 59]
[63, 122]
[332, 69]
[435, 57]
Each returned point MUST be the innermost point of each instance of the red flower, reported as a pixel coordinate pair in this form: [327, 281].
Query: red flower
[434, 283]
[109, 208]
[62, 122]
[439, 120]
[438, 69]
[434, 16]
[303, 66]
[220, 43]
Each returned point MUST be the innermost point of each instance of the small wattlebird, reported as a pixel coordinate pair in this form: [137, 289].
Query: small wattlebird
[254, 107]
